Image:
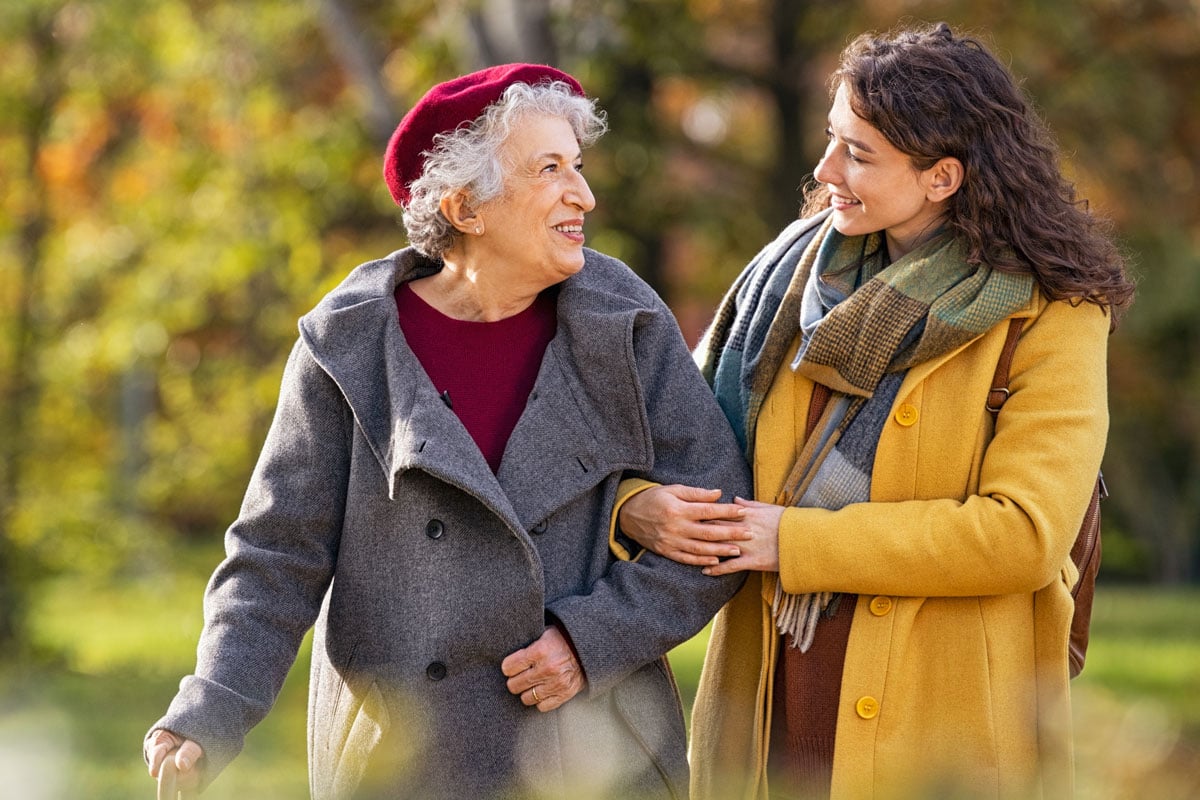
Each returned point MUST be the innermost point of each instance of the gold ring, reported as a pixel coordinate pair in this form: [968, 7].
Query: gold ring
[536, 699]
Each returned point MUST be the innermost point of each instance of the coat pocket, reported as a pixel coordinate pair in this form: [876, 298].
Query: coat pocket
[356, 730]
[648, 703]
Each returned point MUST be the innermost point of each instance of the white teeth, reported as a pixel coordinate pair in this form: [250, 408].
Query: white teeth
[569, 228]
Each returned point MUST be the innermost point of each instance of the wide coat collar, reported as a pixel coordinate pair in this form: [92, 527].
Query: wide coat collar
[585, 418]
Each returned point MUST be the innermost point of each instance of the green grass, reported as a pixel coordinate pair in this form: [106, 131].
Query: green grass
[111, 655]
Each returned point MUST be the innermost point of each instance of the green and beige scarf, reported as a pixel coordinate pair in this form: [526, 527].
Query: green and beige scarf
[863, 324]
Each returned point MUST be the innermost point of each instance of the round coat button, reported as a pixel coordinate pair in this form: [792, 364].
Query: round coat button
[867, 707]
[907, 414]
[539, 528]
[434, 529]
[436, 671]
[881, 605]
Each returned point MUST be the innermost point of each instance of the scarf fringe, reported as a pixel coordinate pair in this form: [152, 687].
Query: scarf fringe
[798, 614]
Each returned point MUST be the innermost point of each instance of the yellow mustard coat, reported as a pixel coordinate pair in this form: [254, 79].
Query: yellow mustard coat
[955, 681]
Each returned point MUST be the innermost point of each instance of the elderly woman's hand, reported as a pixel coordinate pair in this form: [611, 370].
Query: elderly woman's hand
[545, 674]
[684, 523]
[185, 753]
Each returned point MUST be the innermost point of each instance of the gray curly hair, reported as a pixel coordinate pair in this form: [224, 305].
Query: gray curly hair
[469, 157]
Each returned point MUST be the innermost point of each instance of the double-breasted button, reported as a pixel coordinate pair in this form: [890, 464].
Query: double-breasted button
[434, 529]
[867, 707]
[540, 528]
[881, 605]
[436, 671]
[907, 414]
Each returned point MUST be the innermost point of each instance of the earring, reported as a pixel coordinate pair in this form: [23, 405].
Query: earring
[478, 229]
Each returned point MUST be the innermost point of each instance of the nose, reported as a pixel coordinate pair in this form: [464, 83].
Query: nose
[825, 171]
[579, 194]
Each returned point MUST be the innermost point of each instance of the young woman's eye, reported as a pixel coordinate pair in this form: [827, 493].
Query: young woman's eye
[850, 156]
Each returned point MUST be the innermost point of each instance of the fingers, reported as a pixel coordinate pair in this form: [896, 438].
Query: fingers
[715, 532]
[761, 551]
[744, 503]
[693, 494]
[728, 567]
[677, 520]
[698, 505]
[161, 743]
[756, 561]
[685, 557]
[702, 544]
[186, 758]
[174, 759]
[546, 674]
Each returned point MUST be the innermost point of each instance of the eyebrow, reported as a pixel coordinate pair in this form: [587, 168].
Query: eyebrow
[853, 142]
[557, 156]
[860, 145]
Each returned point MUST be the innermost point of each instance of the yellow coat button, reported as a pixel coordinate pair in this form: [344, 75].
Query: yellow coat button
[906, 414]
[867, 707]
[881, 605]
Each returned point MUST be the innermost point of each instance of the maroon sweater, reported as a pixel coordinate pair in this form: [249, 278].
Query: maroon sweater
[483, 370]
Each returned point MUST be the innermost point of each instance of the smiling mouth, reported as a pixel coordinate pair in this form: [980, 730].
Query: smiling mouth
[569, 228]
[842, 201]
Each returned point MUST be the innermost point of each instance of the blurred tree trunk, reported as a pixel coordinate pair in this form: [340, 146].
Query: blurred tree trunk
[787, 86]
[359, 57]
[504, 31]
[633, 192]
[20, 386]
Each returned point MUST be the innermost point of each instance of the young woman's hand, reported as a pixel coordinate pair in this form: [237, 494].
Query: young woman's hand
[684, 523]
[760, 549]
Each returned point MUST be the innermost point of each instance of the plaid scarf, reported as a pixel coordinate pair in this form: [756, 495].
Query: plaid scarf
[863, 324]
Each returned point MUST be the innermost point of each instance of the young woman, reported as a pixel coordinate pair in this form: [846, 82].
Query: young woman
[903, 631]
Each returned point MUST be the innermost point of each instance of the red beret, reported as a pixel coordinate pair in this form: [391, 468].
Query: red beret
[447, 106]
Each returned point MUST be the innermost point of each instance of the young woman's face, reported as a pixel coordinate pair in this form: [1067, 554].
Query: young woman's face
[873, 185]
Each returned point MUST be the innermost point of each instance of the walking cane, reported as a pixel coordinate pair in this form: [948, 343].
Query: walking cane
[168, 783]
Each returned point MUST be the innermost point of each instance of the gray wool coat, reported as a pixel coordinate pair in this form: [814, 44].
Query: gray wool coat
[372, 514]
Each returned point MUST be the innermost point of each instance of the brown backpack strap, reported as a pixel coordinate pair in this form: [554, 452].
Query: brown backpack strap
[1085, 553]
[999, 391]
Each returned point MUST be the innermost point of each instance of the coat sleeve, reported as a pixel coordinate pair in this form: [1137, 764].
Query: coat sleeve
[642, 608]
[924, 534]
[280, 554]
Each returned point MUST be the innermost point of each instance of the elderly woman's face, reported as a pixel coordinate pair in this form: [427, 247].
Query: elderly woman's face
[536, 226]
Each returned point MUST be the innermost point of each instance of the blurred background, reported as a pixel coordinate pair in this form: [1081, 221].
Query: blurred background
[181, 179]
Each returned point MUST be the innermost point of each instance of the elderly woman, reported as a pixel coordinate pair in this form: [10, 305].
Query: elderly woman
[436, 491]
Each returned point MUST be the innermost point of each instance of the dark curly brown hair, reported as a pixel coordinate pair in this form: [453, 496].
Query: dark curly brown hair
[933, 94]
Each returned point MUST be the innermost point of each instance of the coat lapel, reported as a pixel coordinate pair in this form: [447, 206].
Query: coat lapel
[353, 334]
[585, 417]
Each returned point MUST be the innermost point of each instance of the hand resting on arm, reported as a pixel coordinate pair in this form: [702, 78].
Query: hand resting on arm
[685, 524]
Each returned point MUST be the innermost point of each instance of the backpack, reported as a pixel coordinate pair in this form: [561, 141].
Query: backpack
[1086, 550]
